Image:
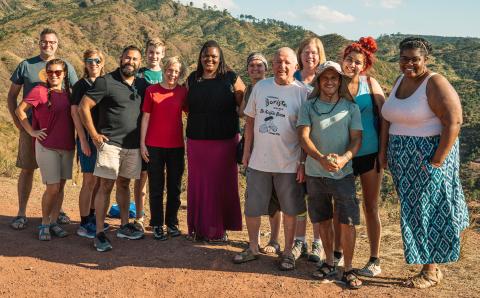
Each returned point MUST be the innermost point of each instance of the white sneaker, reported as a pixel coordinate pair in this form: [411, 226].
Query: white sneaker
[371, 269]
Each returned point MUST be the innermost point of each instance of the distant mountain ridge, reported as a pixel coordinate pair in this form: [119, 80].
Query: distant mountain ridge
[113, 24]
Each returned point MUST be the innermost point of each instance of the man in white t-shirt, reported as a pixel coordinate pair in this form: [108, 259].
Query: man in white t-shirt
[276, 161]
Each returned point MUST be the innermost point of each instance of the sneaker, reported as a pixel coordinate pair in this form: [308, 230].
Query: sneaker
[87, 230]
[138, 223]
[102, 243]
[63, 218]
[130, 232]
[299, 249]
[317, 254]
[93, 220]
[371, 269]
[159, 233]
[173, 231]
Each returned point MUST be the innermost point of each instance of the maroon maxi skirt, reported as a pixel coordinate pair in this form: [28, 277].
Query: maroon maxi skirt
[213, 203]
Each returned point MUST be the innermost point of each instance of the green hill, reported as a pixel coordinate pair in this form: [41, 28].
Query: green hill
[111, 25]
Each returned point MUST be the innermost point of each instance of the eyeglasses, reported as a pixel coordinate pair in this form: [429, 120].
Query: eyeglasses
[406, 59]
[47, 42]
[58, 73]
[93, 60]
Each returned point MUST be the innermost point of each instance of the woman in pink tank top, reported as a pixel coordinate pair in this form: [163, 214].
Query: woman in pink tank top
[425, 116]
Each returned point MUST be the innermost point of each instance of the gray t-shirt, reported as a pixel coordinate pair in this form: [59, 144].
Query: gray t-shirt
[31, 72]
[329, 131]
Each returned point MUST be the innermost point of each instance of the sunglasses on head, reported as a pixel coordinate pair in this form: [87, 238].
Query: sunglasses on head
[93, 60]
[56, 72]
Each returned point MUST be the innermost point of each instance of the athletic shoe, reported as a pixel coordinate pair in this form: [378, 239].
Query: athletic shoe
[101, 242]
[93, 220]
[173, 231]
[159, 233]
[130, 232]
[87, 230]
[138, 223]
[299, 249]
[63, 218]
[317, 252]
[371, 269]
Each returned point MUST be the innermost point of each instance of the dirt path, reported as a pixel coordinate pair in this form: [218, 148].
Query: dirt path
[71, 267]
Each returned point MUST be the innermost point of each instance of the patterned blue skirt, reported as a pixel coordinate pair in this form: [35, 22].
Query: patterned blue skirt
[432, 205]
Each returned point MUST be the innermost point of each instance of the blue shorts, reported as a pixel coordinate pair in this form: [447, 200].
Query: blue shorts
[87, 163]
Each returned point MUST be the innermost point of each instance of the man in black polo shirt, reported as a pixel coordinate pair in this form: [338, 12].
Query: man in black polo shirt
[118, 96]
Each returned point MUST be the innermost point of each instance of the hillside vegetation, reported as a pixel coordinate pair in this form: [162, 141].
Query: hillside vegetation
[111, 25]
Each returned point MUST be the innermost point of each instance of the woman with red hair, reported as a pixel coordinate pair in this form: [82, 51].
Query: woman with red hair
[369, 162]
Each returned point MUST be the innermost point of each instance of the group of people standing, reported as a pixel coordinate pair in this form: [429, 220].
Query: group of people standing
[310, 130]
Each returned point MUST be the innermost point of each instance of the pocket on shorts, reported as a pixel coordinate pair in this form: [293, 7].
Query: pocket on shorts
[104, 157]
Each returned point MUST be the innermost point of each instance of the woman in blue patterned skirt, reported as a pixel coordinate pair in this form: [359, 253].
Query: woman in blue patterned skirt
[425, 116]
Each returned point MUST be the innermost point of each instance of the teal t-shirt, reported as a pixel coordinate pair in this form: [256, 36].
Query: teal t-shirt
[330, 127]
[151, 76]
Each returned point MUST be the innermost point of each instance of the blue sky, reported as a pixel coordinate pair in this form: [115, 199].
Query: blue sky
[356, 18]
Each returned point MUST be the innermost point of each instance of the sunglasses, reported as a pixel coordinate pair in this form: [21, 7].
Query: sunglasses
[93, 60]
[58, 73]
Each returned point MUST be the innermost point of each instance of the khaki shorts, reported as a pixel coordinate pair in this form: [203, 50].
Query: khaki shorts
[26, 154]
[54, 164]
[113, 161]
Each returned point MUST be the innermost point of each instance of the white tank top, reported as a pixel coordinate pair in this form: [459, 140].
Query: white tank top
[411, 116]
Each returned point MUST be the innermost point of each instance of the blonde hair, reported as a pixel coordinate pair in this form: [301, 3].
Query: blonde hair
[175, 60]
[154, 42]
[318, 43]
[89, 53]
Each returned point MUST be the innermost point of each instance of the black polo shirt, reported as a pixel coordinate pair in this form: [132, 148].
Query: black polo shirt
[78, 91]
[119, 109]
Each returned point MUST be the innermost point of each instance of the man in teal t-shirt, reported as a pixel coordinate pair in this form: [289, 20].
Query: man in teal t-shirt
[330, 129]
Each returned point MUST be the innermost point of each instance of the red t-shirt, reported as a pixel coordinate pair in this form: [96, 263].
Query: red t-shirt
[165, 128]
[56, 117]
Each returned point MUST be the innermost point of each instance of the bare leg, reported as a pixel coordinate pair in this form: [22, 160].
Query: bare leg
[301, 230]
[58, 201]
[371, 182]
[24, 187]
[338, 232]
[86, 198]
[275, 222]
[49, 199]
[123, 198]
[348, 243]
[102, 201]
[253, 227]
[139, 191]
[326, 234]
[289, 228]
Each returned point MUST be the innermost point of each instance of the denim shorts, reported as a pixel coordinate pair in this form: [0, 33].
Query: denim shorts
[322, 192]
[87, 163]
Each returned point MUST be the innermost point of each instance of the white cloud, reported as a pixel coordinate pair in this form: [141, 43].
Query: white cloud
[221, 4]
[367, 3]
[324, 14]
[390, 3]
[287, 16]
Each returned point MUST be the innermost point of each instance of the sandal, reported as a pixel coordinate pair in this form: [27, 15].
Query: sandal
[245, 256]
[272, 247]
[19, 223]
[425, 279]
[325, 271]
[57, 230]
[44, 233]
[287, 262]
[351, 280]
[63, 218]
[222, 240]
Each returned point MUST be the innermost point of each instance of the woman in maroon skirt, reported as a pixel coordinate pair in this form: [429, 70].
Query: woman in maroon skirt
[214, 92]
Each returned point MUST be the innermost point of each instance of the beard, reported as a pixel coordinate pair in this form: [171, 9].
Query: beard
[127, 72]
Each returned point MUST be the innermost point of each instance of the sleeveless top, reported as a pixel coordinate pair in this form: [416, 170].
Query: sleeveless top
[411, 116]
[212, 110]
[365, 102]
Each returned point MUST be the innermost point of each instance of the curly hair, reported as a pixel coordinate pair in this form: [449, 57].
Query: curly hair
[222, 65]
[366, 46]
[416, 43]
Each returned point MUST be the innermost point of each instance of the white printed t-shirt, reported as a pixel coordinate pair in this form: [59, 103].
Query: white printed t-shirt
[276, 147]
